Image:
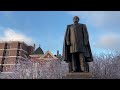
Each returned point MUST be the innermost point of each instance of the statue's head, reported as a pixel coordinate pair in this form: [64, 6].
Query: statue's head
[75, 19]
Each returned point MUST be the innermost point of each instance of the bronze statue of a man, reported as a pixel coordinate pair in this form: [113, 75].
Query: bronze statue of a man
[76, 47]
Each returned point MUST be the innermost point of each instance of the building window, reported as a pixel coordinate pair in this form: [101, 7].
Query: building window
[6, 68]
[25, 56]
[5, 46]
[18, 53]
[17, 60]
[7, 53]
[19, 45]
[6, 60]
[4, 53]
[8, 46]
[1, 68]
[3, 59]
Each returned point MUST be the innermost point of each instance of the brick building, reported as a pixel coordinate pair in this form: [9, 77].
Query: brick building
[39, 56]
[11, 52]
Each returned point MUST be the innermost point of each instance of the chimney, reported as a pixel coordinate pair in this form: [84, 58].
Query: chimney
[57, 52]
[34, 47]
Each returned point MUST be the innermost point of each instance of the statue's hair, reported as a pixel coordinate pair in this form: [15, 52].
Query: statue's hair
[76, 17]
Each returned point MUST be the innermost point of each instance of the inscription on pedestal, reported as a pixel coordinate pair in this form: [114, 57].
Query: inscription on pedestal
[79, 76]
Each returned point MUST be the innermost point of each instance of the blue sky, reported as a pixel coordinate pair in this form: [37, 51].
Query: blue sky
[47, 28]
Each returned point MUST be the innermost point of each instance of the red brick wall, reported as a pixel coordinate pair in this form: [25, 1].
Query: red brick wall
[11, 60]
[2, 45]
[30, 50]
[12, 52]
[24, 47]
[0, 60]
[23, 54]
[1, 52]
[14, 45]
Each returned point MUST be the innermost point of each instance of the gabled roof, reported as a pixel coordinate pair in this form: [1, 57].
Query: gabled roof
[48, 55]
[38, 51]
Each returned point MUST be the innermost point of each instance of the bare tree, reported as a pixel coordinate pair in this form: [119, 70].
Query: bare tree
[47, 69]
[106, 66]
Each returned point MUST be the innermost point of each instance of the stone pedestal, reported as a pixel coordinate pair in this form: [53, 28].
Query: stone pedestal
[79, 76]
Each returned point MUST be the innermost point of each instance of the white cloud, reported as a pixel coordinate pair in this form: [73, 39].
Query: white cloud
[109, 41]
[12, 35]
[99, 19]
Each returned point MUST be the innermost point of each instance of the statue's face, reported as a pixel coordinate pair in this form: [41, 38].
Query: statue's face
[75, 19]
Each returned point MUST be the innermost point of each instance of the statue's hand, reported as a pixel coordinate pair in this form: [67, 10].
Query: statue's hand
[67, 61]
[68, 43]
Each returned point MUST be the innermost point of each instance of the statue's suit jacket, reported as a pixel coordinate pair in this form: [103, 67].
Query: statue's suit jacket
[76, 40]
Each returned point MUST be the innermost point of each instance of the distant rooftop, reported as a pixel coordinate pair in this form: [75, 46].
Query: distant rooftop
[38, 51]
